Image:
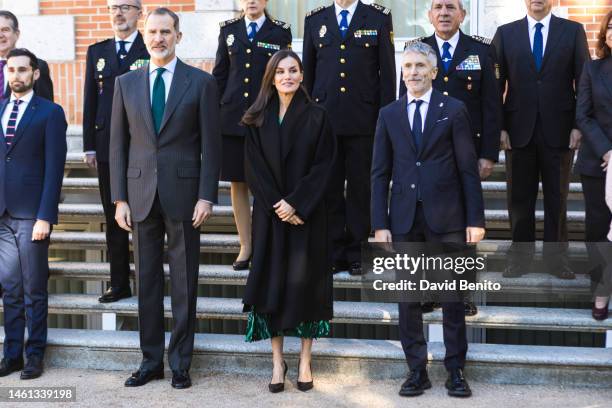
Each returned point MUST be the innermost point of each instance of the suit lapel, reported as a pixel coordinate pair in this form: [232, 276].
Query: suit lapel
[263, 31]
[436, 106]
[111, 53]
[180, 84]
[524, 44]
[241, 33]
[331, 22]
[293, 116]
[401, 112]
[555, 32]
[142, 93]
[25, 121]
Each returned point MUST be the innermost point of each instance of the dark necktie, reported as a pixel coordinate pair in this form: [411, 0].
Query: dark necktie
[252, 31]
[11, 127]
[344, 23]
[158, 103]
[122, 53]
[446, 56]
[538, 46]
[2, 64]
[417, 124]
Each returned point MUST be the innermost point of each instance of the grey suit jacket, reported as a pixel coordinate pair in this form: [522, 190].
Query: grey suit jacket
[182, 162]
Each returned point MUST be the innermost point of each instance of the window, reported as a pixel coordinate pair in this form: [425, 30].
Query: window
[409, 16]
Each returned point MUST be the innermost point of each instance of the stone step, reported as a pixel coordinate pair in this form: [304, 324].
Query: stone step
[345, 358]
[91, 211]
[226, 275]
[506, 317]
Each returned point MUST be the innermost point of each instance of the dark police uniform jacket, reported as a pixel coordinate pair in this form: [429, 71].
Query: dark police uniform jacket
[102, 67]
[351, 77]
[240, 65]
[475, 84]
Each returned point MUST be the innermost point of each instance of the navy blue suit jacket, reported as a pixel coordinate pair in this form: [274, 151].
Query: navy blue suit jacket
[32, 169]
[445, 169]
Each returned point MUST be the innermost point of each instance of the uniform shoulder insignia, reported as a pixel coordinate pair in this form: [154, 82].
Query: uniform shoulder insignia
[483, 40]
[315, 11]
[282, 24]
[413, 41]
[380, 8]
[228, 22]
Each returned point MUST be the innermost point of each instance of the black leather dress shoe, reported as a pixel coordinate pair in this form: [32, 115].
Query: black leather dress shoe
[564, 272]
[181, 379]
[456, 385]
[33, 368]
[8, 366]
[114, 294]
[416, 384]
[355, 269]
[470, 308]
[241, 265]
[141, 377]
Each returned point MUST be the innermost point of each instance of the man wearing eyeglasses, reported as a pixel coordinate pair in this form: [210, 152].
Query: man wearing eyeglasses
[105, 61]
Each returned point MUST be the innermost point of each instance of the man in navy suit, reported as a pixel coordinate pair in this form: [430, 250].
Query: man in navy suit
[423, 143]
[32, 158]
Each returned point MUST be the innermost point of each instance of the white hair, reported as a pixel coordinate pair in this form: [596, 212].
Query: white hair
[422, 48]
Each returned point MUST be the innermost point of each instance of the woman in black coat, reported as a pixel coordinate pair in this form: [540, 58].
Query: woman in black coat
[289, 154]
[593, 115]
[245, 46]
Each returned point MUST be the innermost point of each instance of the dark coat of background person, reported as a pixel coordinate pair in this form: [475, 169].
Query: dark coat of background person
[444, 171]
[239, 67]
[477, 89]
[43, 87]
[290, 272]
[99, 89]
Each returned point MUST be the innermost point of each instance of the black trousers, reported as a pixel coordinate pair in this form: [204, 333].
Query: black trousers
[597, 225]
[411, 316]
[524, 168]
[349, 222]
[117, 239]
[183, 255]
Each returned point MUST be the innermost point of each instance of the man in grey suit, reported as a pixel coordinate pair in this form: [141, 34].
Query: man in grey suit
[164, 166]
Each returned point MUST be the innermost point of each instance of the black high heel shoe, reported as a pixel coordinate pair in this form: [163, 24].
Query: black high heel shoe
[305, 386]
[241, 265]
[278, 387]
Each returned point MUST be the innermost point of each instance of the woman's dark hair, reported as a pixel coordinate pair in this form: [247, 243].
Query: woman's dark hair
[603, 50]
[254, 116]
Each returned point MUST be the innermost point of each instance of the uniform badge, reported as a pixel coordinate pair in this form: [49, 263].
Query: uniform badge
[471, 63]
[100, 64]
[363, 33]
[497, 74]
[138, 64]
[268, 46]
[323, 31]
[230, 40]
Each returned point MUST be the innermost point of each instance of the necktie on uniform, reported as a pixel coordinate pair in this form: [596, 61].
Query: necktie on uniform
[3, 90]
[344, 23]
[158, 103]
[252, 31]
[446, 56]
[122, 53]
[417, 124]
[538, 46]
[11, 127]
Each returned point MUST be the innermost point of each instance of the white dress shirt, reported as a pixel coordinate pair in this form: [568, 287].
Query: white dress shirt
[166, 76]
[128, 41]
[453, 41]
[424, 107]
[351, 9]
[531, 22]
[260, 22]
[25, 101]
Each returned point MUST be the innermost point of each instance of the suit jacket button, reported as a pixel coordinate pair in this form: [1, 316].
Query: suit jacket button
[477, 134]
[412, 186]
[248, 51]
[342, 61]
[316, 99]
[445, 79]
[246, 94]
[247, 65]
[343, 89]
[367, 45]
[246, 80]
[445, 93]
[342, 46]
[8, 159]
[342, 75]
[418, 164]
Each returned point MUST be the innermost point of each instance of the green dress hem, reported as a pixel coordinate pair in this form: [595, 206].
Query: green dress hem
[258, 328]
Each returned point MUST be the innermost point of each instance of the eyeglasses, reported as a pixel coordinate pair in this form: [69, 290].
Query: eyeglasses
[123, 7]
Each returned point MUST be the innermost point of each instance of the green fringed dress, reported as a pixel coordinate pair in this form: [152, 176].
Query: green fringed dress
[289, 288]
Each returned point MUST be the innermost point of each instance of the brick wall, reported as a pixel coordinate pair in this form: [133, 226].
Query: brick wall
[92, 24]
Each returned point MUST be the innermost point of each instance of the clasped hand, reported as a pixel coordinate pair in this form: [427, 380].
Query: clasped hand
[286, 213]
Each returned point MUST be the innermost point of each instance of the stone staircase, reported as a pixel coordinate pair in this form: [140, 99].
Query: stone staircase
[77, 258]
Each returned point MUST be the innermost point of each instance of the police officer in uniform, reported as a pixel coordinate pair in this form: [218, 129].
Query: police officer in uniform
[466, 72]
[105, 61]
[245, 46]
[349, 68]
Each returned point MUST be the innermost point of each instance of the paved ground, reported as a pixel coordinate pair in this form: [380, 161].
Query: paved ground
[105, 388]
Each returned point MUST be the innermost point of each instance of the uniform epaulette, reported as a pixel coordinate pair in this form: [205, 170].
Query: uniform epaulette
[380, 8]
[483, 40]
[315, 11]
[282, 24]
[414, 40]
[228, 22]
